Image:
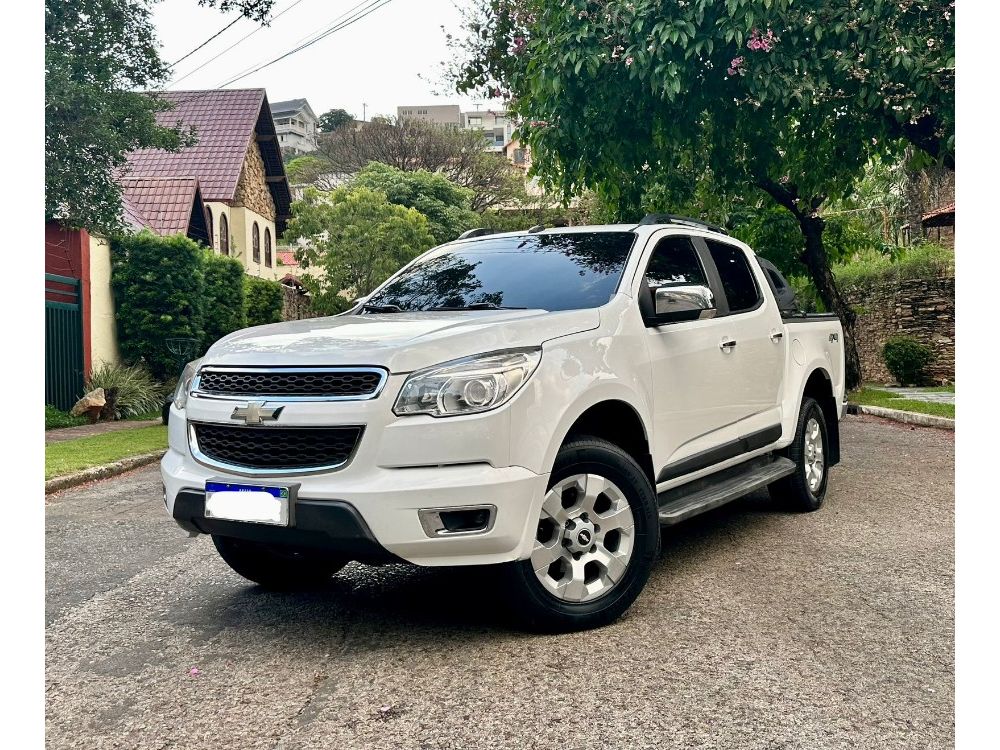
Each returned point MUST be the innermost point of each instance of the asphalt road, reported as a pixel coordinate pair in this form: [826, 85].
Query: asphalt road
[758, 629]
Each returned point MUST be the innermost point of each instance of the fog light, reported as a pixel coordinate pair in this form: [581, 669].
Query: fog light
[457, 521]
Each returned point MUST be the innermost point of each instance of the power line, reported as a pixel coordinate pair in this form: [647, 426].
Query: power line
[371, 8]
[217, 33]
[310, 36]
[234, 44]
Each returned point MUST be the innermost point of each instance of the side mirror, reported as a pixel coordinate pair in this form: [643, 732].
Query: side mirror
[672, 304]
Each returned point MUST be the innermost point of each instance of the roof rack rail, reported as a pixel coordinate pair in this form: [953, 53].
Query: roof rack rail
[683, 220]
[479, 232]
[536, 228]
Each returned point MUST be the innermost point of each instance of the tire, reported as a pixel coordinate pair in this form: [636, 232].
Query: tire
[801, 491]
[274, 567]
[594, 589]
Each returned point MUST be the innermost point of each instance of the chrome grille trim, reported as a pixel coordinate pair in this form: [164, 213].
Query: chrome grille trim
[197, 392]
[249, 471]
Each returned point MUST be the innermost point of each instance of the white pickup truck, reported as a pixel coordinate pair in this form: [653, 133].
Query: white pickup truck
[541, 401]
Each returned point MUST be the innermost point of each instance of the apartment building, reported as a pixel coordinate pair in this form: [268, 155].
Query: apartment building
[296, 125]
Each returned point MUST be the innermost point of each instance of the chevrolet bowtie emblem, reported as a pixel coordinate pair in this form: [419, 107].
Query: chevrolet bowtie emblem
[256, 413]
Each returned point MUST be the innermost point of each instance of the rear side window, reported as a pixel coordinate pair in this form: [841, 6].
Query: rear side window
[674, 262]
[737, 279]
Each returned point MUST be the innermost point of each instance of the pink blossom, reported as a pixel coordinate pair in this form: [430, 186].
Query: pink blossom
[519, 44]
[758, 41]
[539, 123]
[629, 60]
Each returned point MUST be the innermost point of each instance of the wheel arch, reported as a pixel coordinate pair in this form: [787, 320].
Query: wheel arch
[619, 423]
[819, 387]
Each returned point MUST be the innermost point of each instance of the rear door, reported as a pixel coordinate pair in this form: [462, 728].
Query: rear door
[752, 340]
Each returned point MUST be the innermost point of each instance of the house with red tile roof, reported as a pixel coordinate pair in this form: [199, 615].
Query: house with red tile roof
[236, 161]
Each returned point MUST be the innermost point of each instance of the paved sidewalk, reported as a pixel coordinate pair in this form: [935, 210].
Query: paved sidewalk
[917, 394]
[86, 430]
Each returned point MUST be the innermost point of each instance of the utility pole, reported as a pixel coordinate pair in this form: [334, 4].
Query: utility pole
[364, 112]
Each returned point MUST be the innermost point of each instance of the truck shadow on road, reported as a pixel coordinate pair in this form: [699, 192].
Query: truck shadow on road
[408, 599]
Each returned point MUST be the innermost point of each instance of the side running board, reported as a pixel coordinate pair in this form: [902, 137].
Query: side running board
[686, 501]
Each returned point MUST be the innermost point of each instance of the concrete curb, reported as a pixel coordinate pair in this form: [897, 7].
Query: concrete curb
[906, 417]
[101, 472]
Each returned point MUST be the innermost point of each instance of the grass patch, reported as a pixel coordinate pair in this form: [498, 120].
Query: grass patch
[54, 418]
[888, 400]
[68, 456]
[870, 267]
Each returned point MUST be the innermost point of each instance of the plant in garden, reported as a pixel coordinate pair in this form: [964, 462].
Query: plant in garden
[56, 418]
[356, 236]
[100, 56]
[791, 99]
[135, 391]
[263, 300]
[906, 359]
[445, 204]
[158, 284]
[223, 298]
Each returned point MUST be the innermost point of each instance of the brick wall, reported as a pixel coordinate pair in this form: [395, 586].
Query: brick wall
[921, 308]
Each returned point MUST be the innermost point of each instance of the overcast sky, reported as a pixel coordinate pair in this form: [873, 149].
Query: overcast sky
[378, 60]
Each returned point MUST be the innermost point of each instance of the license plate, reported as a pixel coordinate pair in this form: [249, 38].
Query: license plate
[250, 503]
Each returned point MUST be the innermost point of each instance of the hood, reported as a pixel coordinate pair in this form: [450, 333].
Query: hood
[401, 342]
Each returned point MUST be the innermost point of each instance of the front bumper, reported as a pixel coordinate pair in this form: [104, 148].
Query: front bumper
[371, 512]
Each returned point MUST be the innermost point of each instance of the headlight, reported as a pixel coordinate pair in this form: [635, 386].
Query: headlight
[467, 386]
[184, 384]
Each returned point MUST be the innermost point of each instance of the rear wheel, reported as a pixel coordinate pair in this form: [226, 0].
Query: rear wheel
[276, 567]
[805, 489]
[597, 538]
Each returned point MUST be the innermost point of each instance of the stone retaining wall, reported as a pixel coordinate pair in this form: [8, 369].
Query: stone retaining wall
[295, 304]
[921, 308]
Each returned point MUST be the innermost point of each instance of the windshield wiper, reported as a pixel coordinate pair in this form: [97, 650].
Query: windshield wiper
[475, 306]
[382, 308]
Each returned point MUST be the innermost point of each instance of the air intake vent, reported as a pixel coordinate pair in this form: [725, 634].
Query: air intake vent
[298, 383]
[274, 449]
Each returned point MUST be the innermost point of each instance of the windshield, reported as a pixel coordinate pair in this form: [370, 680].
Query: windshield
[567, 271]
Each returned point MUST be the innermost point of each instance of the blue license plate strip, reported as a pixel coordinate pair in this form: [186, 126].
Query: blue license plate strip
[279, 492]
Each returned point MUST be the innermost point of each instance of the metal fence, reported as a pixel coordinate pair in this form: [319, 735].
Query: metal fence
[63, 341]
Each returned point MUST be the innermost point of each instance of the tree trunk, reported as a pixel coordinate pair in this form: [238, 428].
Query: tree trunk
[816, 260]
[814, 257]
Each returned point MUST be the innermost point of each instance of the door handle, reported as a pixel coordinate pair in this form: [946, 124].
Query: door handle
[776, 336]
[727, 345]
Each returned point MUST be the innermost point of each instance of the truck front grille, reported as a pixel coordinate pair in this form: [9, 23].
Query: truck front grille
[264, 449]
[303, 383]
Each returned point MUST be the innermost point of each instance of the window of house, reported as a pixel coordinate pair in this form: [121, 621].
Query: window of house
[223, 234]
[475, 121]
[256, 243]
[208, 223]
[674, 263]
[267, 246]
[737, 279]
[519, 156]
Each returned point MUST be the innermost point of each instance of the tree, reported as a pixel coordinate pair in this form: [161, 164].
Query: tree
[445, 204]
[334, 119]
[410, 144]
[356, 236]
[99, 57]
[263, 300]
[742, 91]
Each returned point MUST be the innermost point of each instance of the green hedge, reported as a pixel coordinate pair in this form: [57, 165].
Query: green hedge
[158, 285]
[224, 297]
[263, 301]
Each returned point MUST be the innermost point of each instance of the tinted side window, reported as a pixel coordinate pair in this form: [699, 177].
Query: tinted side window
[737, 279]
[674, 262]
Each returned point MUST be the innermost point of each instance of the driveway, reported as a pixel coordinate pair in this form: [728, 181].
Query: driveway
[758, 629]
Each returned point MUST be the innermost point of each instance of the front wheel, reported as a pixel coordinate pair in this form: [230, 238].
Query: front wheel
[275, 567]
[805, 489]
[597, 538]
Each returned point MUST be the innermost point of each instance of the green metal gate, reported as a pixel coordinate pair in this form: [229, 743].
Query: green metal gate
[63, 341]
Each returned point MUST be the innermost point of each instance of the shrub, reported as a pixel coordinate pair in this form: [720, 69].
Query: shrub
[158, 284]
[918, 262]
[262, 301]
[55, 418]
[906, 358]
[224, 297]
[137, 392]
